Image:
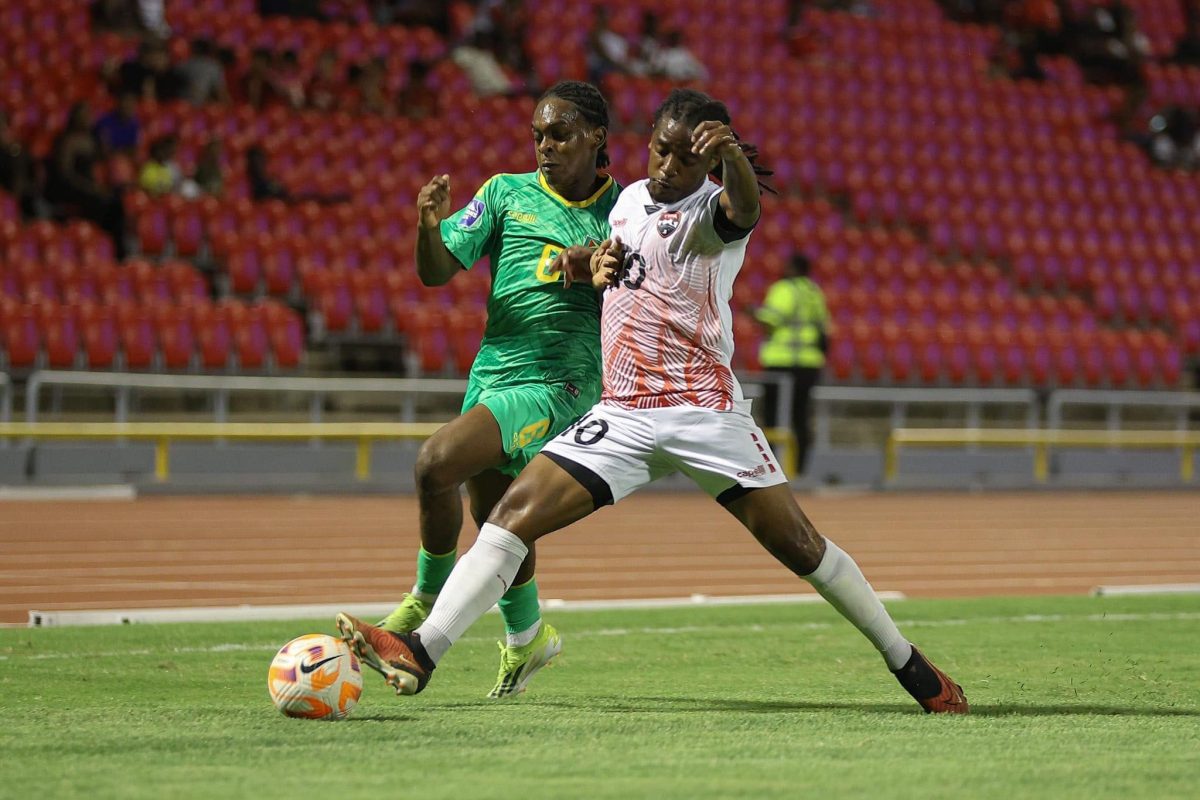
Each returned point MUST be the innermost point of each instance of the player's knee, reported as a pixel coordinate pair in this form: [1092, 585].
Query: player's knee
[515, 509]
[434, 470]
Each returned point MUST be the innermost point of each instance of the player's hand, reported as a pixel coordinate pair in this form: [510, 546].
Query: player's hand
[608, 263]
[711, 138]
[433, 202]
[573, 263]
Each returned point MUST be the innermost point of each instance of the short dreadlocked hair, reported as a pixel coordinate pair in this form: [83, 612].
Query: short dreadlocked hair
[691, 107]
[590, 102]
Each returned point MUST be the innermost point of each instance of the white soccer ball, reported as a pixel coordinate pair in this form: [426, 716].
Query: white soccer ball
[315, 677]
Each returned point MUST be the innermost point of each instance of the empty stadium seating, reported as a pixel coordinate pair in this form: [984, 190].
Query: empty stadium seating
[968, 229]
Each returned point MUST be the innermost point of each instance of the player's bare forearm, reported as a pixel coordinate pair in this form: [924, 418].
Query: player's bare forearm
[740, 198]
[435, 263]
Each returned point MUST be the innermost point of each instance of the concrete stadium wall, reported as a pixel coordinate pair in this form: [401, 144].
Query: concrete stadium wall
[329, 467]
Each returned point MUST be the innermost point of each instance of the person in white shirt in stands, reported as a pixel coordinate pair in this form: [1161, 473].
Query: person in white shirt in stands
[670, 403]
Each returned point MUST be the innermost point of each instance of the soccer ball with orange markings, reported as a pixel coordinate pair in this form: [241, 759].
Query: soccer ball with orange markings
[315, 677]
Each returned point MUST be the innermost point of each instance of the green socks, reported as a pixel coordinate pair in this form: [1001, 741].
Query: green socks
[519, 607]
[432, 572]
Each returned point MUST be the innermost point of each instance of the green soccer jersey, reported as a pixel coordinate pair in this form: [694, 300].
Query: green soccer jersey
[536, 331]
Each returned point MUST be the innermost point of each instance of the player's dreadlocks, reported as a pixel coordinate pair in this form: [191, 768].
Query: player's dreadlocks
[591, 104]
[691, 108]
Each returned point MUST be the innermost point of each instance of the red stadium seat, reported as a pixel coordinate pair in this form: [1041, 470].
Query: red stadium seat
[213, 337]
[19, 336]
[175, 336]
[285, 331]
[249, 334]
[136, 334]
[60, 337]
[99, 328]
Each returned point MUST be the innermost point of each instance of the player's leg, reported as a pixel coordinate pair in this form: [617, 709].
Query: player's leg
[461, 449]
[544, 498]
[778, 523]
[602, 457]
[727, 455]
[530, 643]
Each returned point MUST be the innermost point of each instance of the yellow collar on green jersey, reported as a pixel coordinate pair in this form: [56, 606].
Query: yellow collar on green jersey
[608, 182]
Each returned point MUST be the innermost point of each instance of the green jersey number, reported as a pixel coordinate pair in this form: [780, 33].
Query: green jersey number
[544, 273]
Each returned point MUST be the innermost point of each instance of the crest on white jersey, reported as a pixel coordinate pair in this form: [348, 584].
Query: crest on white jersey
[668, 223]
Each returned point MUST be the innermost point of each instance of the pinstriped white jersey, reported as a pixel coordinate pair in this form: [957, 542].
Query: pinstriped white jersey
[666, 328]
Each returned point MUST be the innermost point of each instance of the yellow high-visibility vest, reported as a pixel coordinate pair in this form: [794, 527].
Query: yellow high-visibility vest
[795, 311]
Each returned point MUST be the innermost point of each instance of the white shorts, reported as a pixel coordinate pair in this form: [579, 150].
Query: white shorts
[613, 451]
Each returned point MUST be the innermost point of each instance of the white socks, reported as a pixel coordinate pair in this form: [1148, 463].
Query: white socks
[839, 580]
[479, 579]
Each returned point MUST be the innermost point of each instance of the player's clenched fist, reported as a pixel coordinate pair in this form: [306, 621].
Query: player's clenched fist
[608, 262]
[714, 138]
[433, 202]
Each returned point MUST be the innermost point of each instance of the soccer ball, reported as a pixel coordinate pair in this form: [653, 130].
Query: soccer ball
[315, 677]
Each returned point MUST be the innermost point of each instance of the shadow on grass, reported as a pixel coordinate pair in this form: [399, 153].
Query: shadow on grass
[675, 705]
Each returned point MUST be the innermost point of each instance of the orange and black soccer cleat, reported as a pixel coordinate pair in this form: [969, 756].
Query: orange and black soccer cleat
[931, 687]
[398, 657]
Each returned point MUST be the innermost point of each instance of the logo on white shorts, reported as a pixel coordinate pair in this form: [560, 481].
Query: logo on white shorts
[757, 472]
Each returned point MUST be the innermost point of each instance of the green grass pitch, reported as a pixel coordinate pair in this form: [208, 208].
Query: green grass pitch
[1072, 697]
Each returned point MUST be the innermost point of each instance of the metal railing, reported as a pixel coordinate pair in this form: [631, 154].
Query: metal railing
[1042, 441]
[5, 397]
[163, 433]
[221, 387]
[900, 399]
[1114, 402]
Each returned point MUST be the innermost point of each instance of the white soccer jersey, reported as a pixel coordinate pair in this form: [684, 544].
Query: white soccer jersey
[666, 329]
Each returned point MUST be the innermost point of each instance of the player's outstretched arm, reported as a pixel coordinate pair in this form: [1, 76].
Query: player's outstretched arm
[436, 265]
[739, 200]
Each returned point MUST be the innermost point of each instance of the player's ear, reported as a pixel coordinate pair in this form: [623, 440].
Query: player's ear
[599, 136]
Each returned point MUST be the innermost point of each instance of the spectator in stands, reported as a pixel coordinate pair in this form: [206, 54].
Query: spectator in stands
[150, 76]
[287, 79]
[607, 50]
[798, 328]
[510, 43]
[116, 16]
[205, 75]
[71, 185]
[209, 176]
[418, 100]
[257, 86]
[160, 174]
[650, 45]
[1174, 139]
[1111, 50]
[262, 185]
[1029, 28]
[1187, 51]
[413, 13]
[369, 95]
[325, 84]
[118, 130]
[476, 57]
[154, 17]
[17, 174]
[310, 9]
[676, 62]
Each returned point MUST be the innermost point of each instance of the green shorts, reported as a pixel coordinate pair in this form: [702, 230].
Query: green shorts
[529, 416]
